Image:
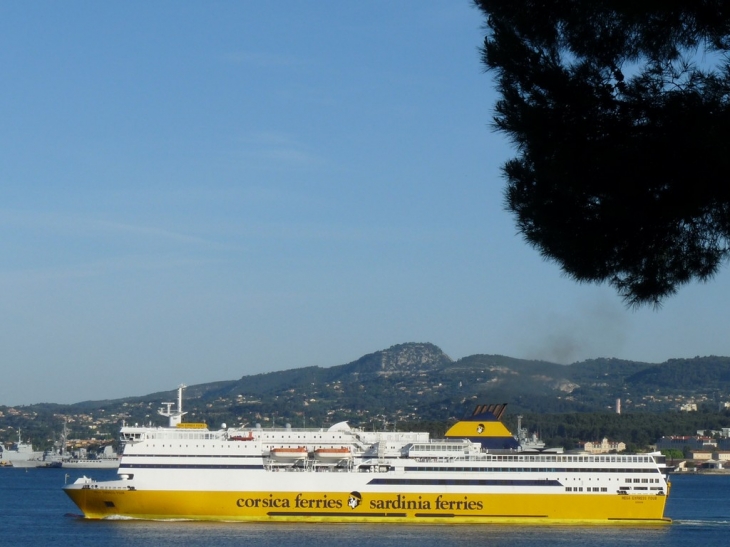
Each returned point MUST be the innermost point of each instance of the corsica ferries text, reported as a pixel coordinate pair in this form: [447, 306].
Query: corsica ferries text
[300, 501]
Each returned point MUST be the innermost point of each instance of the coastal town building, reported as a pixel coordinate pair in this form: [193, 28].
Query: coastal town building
[682, 442]
[712, 464]
[722, 433]
[603, 447]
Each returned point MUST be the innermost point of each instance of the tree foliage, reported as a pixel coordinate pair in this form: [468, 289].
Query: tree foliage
[619, 111]
[636, 429]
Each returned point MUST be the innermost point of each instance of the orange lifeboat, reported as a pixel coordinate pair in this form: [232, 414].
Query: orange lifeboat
[332, 454]
[289, 454]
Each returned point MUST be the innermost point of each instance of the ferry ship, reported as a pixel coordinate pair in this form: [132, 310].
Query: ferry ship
[476, 474]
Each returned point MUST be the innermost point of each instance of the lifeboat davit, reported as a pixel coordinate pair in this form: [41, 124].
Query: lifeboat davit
[332, 454]
[289, 454]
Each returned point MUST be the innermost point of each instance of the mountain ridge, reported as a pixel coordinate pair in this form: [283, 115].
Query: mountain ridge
[510, 373]
[405, 383]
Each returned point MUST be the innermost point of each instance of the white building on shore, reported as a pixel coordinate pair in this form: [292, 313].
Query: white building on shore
[604, 447]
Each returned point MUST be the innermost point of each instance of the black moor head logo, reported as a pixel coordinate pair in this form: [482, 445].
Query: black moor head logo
[354, 500]
[480, 428]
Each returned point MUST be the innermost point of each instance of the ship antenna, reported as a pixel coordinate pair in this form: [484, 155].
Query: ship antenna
[175, 416]
[179, 398]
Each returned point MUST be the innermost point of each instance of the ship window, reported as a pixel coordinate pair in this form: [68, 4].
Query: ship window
[604, 489]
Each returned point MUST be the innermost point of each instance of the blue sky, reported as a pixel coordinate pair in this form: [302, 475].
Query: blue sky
[198, 191]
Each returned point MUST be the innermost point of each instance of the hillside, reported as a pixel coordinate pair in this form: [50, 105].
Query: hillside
[404, 383]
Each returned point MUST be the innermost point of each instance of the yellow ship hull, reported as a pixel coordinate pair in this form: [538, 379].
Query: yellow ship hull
[371, 507]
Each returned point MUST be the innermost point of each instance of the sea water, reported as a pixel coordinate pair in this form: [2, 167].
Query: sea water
[35, 511]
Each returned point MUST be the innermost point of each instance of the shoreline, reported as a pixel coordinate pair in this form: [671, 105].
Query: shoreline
[702, 472]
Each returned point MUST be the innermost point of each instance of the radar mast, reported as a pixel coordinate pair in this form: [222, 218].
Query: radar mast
[174, 416]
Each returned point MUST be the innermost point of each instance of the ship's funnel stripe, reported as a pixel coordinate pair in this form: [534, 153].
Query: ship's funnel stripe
[489, 413]
[507, 443]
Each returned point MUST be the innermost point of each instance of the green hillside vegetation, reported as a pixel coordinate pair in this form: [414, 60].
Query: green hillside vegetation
[411, 384]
